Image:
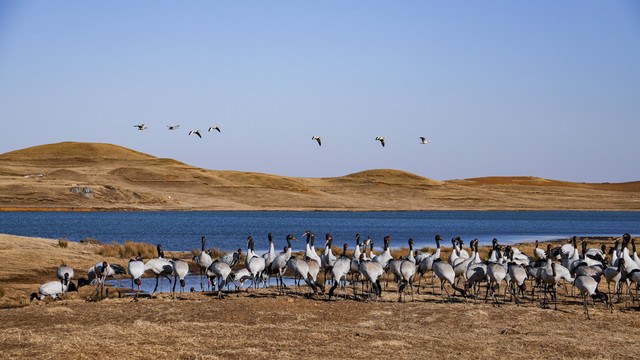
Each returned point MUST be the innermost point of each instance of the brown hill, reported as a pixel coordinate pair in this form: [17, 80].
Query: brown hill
[72, 175]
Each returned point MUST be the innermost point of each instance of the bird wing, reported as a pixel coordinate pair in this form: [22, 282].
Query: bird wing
[319, 142]
[382, 142]
[119, 269]
[422, 138]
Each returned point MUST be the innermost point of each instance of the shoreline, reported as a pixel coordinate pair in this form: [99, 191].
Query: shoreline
[131, 209]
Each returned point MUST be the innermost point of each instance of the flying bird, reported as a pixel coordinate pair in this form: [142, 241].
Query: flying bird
[197, 132]
[317, 138]
[140, 127]
[214, 128]
[381, 139]
[424, 140]
[174, 127]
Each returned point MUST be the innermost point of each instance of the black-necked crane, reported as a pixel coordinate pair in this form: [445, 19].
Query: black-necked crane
[311, 256]
[180, 271]
[301, 269]
[64, 274]
[355, 263]
[455, 252]
[550, 279]
[385, 256]
[255, 264]
[407, 270]
[173, 127]
[539, 253]
[268, 258]
[426, 264]
[232, 258]
[160, 267]
[340, 269]
[423, 140]
[197, 132]
[220, 270]
[496, 272]
[214, 128]
[372, 271]
[461, 264]
[476, 272]
[381, 139]
[317, 138]
[327, 258]
[53, 289]
[135, 268]
[444, 272]
[203, 260]
[613, 274]
[395, 264]
[517, 278]
[279, 264]
[141, 127]
[240, 276]
[588, 286]
[98, 274]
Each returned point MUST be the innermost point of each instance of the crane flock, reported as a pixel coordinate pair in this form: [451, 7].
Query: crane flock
[318, 139]
[506, 267]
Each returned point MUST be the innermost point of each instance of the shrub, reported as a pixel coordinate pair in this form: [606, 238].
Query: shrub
[128, 250]
[63, 243]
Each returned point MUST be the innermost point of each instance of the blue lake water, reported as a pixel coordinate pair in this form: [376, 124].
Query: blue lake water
[227, 230]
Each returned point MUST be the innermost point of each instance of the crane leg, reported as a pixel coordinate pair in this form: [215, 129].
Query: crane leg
[586, 308]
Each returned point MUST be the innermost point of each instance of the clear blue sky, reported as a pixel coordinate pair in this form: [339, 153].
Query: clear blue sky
[505, 88]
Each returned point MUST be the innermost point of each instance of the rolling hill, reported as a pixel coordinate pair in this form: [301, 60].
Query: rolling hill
[91, 176]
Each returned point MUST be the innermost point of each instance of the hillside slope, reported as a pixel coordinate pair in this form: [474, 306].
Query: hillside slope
[72, 175]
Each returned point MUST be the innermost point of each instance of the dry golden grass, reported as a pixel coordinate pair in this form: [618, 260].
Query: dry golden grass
[128, 250]
[264, 325]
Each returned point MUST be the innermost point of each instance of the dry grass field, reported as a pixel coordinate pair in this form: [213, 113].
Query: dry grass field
[43, 178]
[264, 325]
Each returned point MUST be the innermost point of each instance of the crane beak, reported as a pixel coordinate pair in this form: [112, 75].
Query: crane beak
[294, 238]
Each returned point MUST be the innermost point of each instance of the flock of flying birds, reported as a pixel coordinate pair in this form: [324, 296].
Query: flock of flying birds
[423, 140]
[175, 127]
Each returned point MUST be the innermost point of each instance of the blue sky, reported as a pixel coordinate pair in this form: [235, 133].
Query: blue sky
[502, 88]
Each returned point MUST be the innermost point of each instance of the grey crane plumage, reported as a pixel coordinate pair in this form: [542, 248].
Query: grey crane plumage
[53, 289]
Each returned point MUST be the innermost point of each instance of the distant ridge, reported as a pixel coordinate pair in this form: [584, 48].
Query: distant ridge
[47, 177]
[75, 151]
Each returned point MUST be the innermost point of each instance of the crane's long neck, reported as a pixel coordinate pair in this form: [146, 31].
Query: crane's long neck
[307, 249]
[203, 242]
[356, 252]
[410, 257]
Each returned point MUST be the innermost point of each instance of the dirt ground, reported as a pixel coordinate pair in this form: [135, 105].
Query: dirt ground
[263, 324]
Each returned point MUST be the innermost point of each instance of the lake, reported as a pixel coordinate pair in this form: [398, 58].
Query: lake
[227, 230]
